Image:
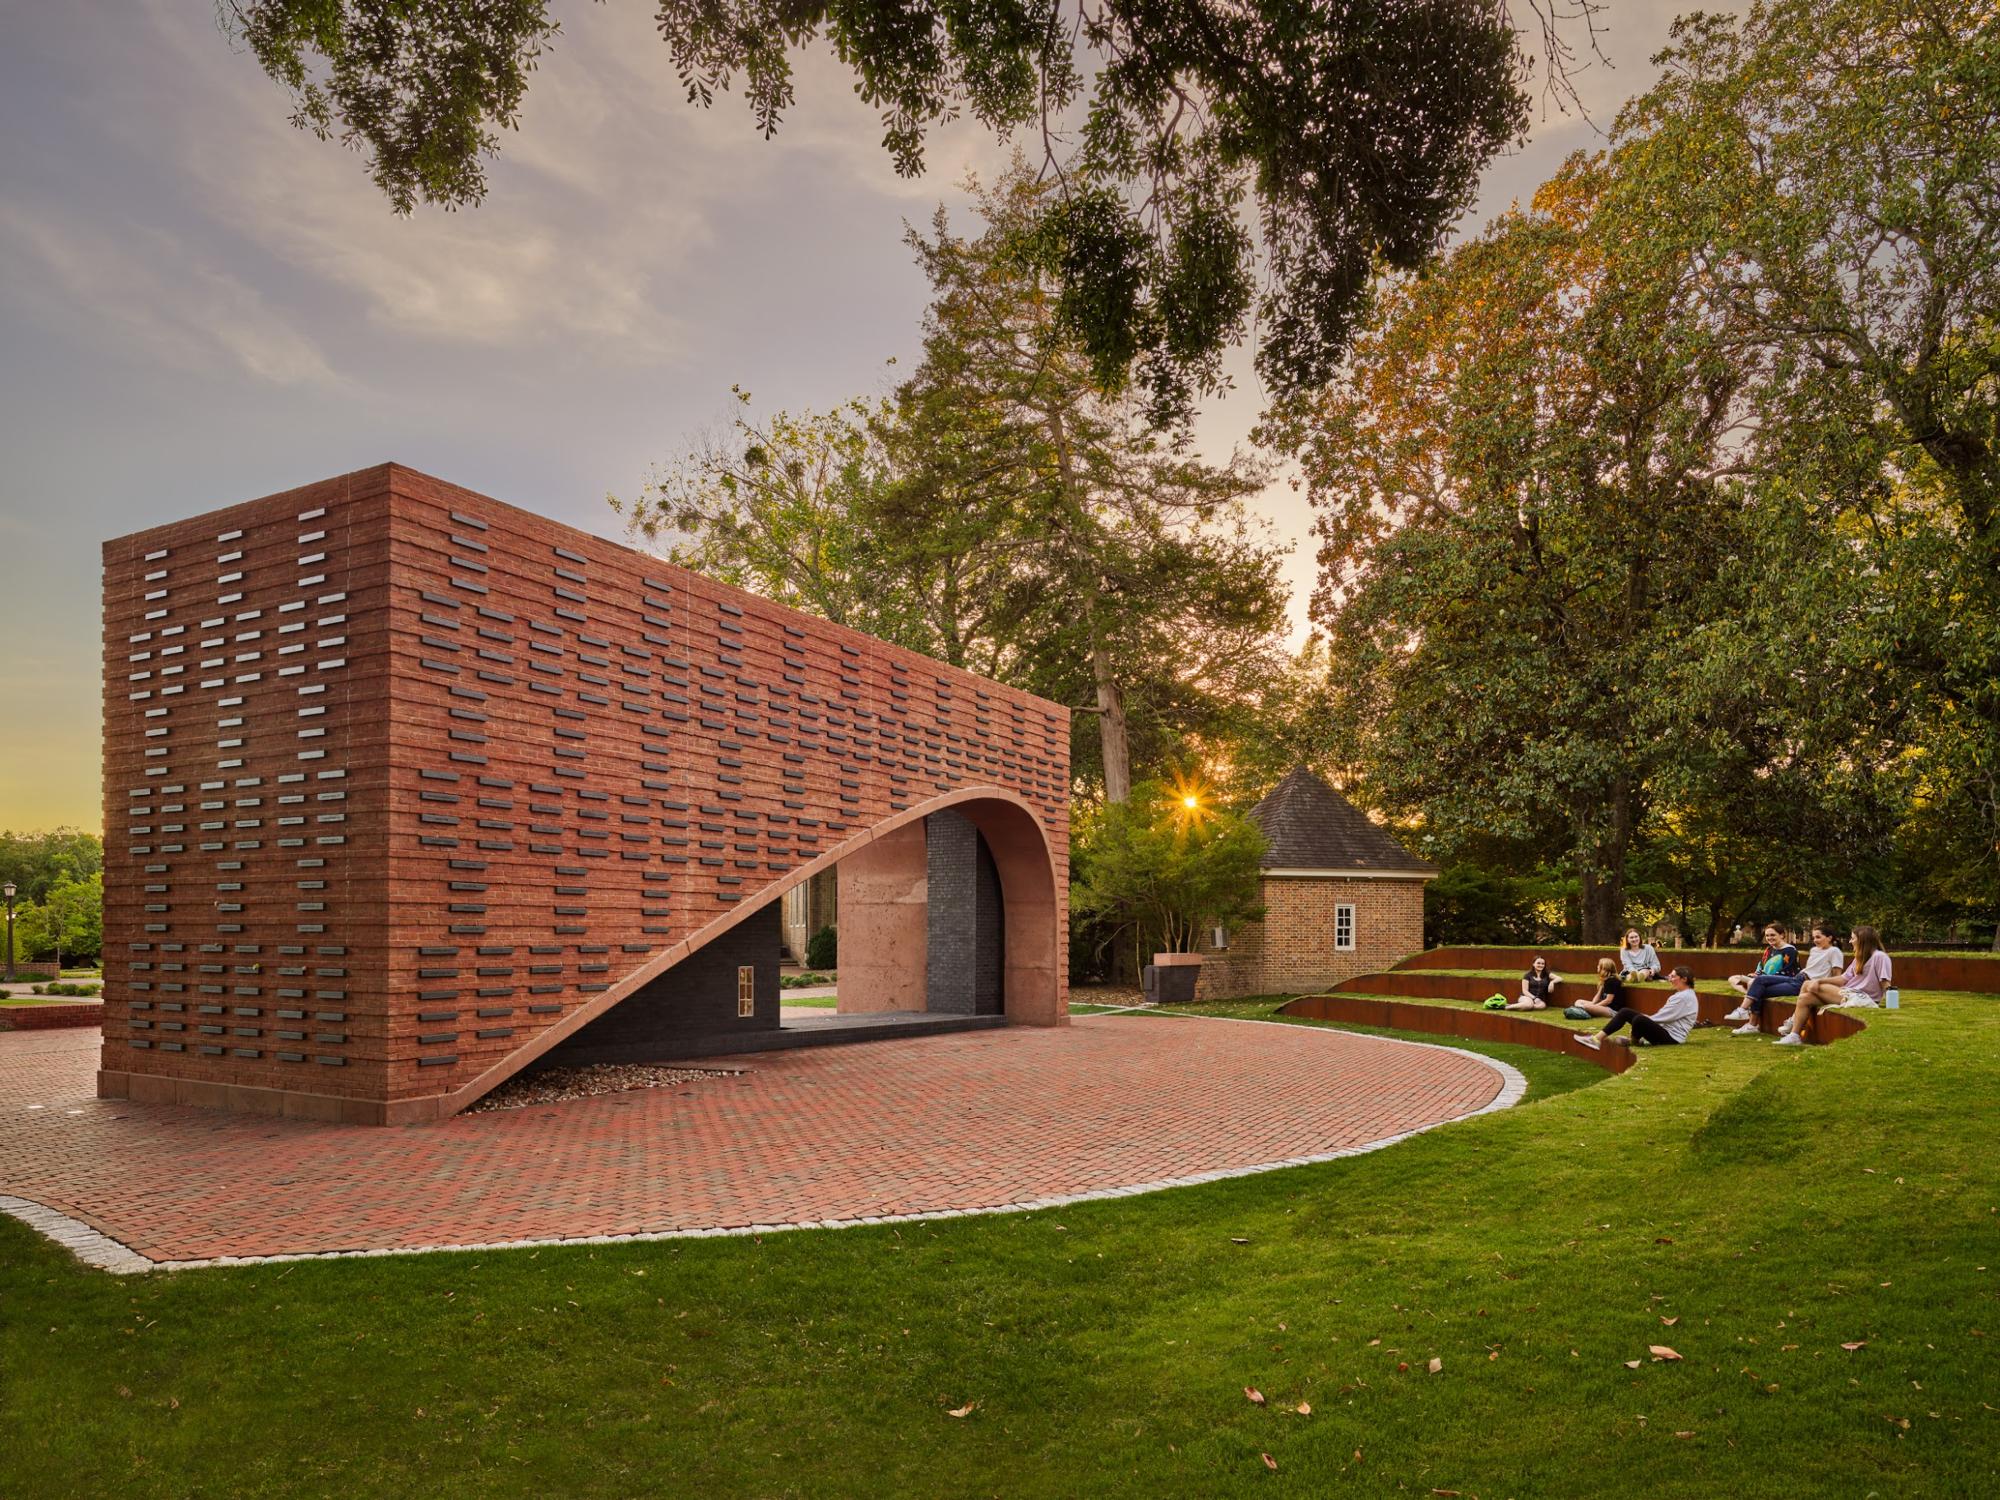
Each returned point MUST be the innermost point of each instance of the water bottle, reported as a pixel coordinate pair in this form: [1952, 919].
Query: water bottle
[1892, 999]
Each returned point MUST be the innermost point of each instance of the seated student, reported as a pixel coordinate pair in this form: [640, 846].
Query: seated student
[1777, 974]
[1667, 1027]
[1823, 961]
[1637, 960]
[1538, 986]
[1610, 996]
[1779, 957]
[1864, 981]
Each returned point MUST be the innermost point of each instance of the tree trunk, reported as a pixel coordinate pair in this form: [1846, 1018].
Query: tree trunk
[1600, 899]
[1601, 871]
[1111, 728]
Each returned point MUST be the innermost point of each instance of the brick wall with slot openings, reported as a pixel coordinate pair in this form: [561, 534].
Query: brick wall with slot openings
[389, 762]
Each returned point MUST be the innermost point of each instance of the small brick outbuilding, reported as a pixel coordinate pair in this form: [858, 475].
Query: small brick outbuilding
[1341, 897]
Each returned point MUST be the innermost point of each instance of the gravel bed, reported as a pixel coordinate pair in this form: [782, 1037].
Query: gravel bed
[554, 1085]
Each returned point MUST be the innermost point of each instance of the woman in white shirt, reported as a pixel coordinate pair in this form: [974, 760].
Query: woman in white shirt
[1823, 961]
[1666, 1027]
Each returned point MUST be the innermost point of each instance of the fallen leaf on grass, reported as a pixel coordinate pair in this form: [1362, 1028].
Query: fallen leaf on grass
[1436, 1365]
[1670, 1321]
[963, 1411]
[1237, 1239]
[1663, 1240]
[1631, 1364]
[1858, 1343]
[1683, 1434]
[1269, 1462]
[1304, 1408]
[1661, 1351]
[1254, 1396]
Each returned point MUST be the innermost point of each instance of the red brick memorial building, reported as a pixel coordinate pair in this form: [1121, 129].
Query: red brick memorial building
[1341, 897]
[407, 790]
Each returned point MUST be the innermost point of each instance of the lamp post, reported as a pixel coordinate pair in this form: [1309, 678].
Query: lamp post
[8, 891]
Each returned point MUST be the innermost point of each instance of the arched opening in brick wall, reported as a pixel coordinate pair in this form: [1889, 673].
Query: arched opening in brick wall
[951, 910]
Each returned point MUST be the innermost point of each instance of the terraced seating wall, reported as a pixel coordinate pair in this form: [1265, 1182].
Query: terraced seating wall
[1974, 974]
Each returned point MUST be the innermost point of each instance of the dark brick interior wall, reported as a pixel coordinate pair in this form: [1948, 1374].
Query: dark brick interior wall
[693, 1001]
[965, 959]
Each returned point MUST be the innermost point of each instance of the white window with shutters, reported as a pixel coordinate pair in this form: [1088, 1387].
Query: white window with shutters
[1343, 927]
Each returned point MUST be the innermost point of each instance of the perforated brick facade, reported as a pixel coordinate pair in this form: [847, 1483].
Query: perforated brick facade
[403, 785]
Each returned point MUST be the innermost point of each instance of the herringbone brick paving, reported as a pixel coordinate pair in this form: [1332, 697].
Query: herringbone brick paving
[966, 1121]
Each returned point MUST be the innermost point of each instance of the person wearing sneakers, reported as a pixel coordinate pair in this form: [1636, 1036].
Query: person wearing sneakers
[1864, 981]
[1538, 986]
[1778, 974]
[1780, 961]
[1823, 961]
[1666, 1027]
[1637, 959]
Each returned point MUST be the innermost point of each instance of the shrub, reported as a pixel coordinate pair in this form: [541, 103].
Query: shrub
[823, 949]
[1165, 872]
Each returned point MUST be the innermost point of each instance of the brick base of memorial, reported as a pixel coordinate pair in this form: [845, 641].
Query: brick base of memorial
[967, 1123]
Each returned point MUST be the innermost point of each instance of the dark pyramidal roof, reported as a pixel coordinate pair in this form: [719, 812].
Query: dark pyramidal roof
[1310, 826]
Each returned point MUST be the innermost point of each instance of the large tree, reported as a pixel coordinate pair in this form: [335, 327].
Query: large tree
[1134, 565]
[1004, 514]
[1832, 170]
[1357, 131]
[1520, 511]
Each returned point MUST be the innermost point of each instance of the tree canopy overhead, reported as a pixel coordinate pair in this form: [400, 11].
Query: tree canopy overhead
[1357, 130]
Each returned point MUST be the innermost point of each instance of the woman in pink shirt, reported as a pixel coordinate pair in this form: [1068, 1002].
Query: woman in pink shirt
[1864, 982]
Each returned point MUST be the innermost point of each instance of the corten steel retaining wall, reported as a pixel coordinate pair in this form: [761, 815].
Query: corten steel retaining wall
[403, 785]
[1501, 1026]
[1980, 976]
[1644, 998]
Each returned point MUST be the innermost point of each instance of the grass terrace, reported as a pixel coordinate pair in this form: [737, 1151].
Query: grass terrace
[1732, 1270]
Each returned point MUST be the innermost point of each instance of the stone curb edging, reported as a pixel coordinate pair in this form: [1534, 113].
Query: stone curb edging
[107, 1254]
[85, 1243]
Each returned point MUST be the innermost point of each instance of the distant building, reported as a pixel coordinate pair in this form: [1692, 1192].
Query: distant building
[1341, 897]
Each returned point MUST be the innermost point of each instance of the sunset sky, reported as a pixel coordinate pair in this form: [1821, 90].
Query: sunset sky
[200, 305]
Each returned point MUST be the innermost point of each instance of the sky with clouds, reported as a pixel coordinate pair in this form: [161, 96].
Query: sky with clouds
[200, 305]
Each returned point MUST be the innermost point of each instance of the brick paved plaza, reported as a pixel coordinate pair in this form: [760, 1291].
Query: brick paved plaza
[977, 1120]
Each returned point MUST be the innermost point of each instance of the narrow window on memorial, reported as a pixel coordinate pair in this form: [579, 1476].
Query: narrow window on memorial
[746, 990]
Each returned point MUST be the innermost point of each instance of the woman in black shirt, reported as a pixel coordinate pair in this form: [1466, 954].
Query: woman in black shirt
[1538, 987]
[1610, 996]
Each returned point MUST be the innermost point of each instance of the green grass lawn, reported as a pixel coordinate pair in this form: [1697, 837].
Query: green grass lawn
[1753, 1209]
